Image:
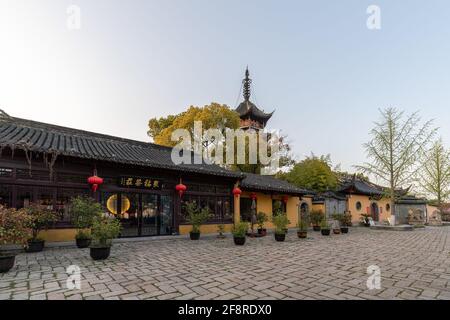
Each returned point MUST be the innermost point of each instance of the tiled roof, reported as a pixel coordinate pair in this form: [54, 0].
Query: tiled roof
[362, 187]
[320, 198]
[263, 183]
[247, 108]
[43, 137]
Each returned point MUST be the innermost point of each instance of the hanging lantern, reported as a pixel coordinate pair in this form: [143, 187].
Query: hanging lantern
[181, 188]
[95, 181]
[285, 199]
[253, 196]
[237, 192]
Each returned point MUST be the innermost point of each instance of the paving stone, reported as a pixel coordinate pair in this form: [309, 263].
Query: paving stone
[414, 265]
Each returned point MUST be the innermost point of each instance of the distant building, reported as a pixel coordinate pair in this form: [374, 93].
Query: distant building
[251, 116]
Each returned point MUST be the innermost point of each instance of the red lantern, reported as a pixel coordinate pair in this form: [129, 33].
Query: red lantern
[237, 192]
[285, 199]
[253, 195]
[95, 181]
[181, 188]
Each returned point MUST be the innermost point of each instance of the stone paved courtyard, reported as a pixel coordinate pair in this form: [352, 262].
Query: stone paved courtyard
[414, 265]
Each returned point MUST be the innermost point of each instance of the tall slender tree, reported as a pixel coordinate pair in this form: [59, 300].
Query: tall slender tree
[434, 173]
[395, 150]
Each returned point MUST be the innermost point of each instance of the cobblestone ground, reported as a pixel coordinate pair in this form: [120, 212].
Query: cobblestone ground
[414, 265]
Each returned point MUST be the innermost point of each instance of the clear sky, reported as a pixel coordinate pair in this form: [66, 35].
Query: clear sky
[315, 62]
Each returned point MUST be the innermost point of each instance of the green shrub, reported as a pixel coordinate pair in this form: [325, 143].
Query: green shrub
[240, 229]
[302, 225]
[83, 211]
[104, 229]
[324, 224]
[316, 217]
[40, 219]
[195, 216]
[280, 222]
[261, 219]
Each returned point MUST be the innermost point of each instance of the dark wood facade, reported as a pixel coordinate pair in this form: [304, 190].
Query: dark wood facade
[19, 185]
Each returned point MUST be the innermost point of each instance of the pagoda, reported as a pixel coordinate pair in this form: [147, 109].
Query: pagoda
[251, 116]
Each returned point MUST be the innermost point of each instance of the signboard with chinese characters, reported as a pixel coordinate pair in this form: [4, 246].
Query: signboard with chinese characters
[140, 182]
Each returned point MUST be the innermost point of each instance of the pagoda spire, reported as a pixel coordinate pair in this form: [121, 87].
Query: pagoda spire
[247, 82]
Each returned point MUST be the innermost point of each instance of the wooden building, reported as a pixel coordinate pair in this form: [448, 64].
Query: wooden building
[50, 164]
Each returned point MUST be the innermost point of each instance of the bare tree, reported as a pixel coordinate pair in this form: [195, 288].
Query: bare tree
[397, 143]
[434, 173]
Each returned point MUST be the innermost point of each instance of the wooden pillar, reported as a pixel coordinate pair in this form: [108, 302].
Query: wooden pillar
[237, 209]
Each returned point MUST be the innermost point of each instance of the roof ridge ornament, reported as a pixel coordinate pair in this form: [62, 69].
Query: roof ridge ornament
[4, 115]
[247, 83]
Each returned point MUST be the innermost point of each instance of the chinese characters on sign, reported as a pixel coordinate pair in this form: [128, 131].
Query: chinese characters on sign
[140, 182]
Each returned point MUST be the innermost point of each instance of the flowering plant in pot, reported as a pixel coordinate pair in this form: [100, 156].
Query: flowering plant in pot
[261, 219]
[104, 229]
[196, 217]
[280, 222]
[325, 227]
[40, 219]
[345, 220]
[84, 210]
[13, 230]
[316, 217]
[239, 231]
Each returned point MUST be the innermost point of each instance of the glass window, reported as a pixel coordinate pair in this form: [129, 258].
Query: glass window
[6, 172]
[358, 206]
[45, 198]
[6, 196]
[246, 209]
[63, 202]
[24, 197]
[278, 207]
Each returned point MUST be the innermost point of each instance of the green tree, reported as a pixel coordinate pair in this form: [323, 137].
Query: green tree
[395, 150]
[213, 116]
[434, 173]
[313, 173]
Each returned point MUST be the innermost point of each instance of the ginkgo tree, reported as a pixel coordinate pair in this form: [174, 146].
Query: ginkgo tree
[434, 173]
[396, 148]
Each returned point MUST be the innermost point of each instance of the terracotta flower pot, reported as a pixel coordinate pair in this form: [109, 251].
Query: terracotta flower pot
[316, 228]
[336, 231]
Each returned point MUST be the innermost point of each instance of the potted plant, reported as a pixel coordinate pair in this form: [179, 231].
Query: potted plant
[346, 221]
[302, 231]
[261, 219]
[84, 210]
[13, 230]
[196, 217]
[325, 227]
[316, 217]
[337, 217]
[280, 222]
[104, 229]
[365, 219]
[239, 231]
[221, 230]
[40, 219]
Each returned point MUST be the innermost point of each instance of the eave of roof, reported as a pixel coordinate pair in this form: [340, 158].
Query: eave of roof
[48, 138]
[256, 182]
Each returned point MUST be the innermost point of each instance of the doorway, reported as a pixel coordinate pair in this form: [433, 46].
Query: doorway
[142, 214]
[374, 211]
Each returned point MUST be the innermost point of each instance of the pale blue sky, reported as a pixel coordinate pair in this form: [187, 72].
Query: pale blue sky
[315, 62]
